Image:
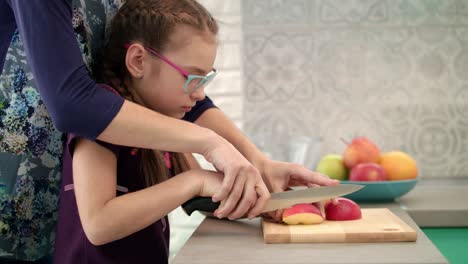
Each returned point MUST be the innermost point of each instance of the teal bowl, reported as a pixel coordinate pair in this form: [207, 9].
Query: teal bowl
[380, 191]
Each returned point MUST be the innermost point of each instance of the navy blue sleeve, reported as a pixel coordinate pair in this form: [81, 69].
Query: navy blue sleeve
[7, 28]
[76, 104]
[198, 109]
[72, 139]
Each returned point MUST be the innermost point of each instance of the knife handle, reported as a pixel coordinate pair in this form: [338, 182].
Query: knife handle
[204, 204]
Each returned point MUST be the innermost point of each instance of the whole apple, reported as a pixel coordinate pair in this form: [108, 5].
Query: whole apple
[367, 172]
[360, 150]
[305, 214]
[342, 209]
[332, 165]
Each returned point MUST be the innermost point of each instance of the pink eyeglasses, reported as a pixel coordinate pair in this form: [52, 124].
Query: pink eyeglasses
[192, 82]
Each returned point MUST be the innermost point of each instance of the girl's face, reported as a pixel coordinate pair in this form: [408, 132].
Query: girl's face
[159, 85]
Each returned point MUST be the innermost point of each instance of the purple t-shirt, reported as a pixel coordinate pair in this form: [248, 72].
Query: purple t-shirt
[149, 245]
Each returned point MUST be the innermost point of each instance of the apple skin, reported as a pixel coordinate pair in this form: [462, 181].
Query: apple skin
[368, 172]
[342, 209]
[360, 150]
[306, 214]
[333, 166]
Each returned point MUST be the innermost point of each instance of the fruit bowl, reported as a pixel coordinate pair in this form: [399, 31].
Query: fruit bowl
[380, 191]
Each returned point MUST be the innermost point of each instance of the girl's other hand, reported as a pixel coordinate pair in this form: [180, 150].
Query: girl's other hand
[281, 175]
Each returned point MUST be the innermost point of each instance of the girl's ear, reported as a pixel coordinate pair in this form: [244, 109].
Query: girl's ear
[134, 60]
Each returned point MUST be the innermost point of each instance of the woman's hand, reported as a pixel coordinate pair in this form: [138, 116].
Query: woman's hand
[280, 175]
[242, 191]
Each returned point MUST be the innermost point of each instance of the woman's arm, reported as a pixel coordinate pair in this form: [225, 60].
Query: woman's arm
[106, 217]
[77, 105]
[141, 127]
[74, 101]
[217, 121]
[192, 162]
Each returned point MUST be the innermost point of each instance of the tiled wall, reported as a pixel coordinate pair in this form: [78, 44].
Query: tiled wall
[395, 71]
[226, 89]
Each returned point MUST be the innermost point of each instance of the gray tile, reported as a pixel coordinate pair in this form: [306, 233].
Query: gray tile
[393, 71]
[273, 12]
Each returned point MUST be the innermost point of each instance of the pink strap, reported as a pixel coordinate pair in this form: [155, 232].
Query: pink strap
[109, 88]
[69, 187]
[167, 160]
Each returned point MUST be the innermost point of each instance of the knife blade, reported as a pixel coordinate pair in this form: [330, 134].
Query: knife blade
[279, 200]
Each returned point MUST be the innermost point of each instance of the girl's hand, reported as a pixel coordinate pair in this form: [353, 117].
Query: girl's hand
[242, 191]
[209, 182]
[280, 175]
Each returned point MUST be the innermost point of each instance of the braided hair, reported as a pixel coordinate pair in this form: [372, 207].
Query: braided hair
[151, 23]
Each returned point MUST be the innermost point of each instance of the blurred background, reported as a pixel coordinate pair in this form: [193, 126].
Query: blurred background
[297, 76]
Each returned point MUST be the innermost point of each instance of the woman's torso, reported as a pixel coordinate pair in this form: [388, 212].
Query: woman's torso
[30, 146]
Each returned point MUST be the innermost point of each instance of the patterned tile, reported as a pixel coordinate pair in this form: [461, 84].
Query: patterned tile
[278, 67]
[337, 12]
[264, 12]
[393, 71]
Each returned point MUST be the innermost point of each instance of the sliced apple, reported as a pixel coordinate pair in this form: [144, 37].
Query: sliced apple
[305, 214]
[342, 209]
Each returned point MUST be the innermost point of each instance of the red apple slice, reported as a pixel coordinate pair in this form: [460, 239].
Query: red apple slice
[342, 209]
[305, 214]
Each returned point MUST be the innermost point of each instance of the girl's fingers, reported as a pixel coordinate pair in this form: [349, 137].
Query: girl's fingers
[233, 199]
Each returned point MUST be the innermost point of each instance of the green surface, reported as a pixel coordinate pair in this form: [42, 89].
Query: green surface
[451, 242]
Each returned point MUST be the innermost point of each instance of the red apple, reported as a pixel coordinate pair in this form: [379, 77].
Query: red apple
[341, 209]
[305, 214]
[361, 150]
[368, 172]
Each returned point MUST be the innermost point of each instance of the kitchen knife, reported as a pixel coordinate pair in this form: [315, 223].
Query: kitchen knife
[279, 200]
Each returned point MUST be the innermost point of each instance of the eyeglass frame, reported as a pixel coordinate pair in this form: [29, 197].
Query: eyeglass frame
[189, 77]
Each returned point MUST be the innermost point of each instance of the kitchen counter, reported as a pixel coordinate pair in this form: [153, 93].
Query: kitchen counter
[438, 203]
[241, 241]
[440, 208]
[432, 204]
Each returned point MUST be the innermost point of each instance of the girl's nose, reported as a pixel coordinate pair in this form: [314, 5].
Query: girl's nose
[198, 94]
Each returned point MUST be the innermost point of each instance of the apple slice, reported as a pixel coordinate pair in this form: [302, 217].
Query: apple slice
[305, 214]
[342, 209]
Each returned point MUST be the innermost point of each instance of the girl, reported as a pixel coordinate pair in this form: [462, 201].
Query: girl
[114, 199]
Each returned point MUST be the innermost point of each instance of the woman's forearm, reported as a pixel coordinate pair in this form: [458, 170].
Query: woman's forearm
[129, 213]
[217, 121]
[137, 126]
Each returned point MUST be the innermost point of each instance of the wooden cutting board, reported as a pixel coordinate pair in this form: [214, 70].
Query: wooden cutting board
[376, 225]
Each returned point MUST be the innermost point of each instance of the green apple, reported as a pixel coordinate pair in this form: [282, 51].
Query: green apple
[333, 166]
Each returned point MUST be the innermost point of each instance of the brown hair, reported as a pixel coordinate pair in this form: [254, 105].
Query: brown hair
[151, 23]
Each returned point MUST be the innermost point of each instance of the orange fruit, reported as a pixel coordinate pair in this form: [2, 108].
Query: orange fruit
[398, 166]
